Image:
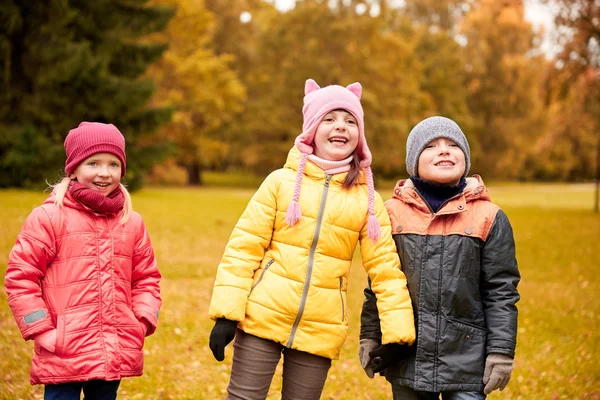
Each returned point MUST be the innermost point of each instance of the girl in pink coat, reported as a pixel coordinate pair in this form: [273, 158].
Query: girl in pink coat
[82, 280]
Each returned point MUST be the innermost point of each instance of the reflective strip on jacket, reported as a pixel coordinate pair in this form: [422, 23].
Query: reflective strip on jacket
[462, 276]
[92, 279]
[288, 283]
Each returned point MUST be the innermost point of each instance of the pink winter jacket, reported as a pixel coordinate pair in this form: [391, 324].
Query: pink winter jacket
[92, 279]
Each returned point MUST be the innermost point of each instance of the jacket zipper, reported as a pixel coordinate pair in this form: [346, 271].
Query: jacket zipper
[342, 298]
[438, 318]
[309, 267]
[271, 261]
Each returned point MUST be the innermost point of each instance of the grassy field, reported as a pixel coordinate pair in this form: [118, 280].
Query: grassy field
[558, 248]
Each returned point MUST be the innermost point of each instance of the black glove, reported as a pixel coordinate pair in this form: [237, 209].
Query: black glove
[387, 355]
[221, 335]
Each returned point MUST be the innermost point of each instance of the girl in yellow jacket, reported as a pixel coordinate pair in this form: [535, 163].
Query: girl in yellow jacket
[281, 284]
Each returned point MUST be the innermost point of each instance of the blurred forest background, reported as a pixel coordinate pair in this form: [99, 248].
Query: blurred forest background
[211, 91]
[217, 85]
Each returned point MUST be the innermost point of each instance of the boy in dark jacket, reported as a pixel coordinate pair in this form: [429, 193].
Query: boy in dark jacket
[458, 253]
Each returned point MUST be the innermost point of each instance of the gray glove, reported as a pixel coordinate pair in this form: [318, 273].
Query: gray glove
[498, 368]
[366, 346]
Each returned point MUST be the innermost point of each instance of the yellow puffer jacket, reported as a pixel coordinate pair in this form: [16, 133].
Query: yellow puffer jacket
[288, 283]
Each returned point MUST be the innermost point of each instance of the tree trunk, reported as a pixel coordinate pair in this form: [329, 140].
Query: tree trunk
[597, 196]
[194, 174]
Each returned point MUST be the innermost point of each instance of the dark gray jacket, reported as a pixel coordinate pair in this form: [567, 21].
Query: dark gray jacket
[462, 276]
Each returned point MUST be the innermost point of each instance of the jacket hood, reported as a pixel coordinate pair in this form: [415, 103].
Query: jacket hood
[314, 171]
[475, 190]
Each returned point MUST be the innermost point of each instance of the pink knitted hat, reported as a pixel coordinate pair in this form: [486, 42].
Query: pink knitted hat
[90, 138]
[317, 103]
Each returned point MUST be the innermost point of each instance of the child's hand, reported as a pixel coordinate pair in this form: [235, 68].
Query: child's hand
[387, 355]
[221, 335]
[366, 346]
[498, 368]
[47, 340]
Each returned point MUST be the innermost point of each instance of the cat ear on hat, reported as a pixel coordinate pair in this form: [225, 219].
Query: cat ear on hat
[355, 88]
[310, 86]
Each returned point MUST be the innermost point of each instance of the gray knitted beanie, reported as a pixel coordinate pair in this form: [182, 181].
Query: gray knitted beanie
[429, 129]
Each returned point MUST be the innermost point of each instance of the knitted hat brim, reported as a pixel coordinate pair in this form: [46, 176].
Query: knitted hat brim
[95, 149]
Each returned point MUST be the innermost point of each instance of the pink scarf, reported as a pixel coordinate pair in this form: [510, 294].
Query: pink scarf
[331, 167]
[111, 204]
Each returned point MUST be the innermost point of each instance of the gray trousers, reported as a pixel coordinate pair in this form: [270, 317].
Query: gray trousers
[254, 363]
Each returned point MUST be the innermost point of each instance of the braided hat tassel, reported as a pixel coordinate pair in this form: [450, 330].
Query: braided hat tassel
[293, 213]
[373, 228]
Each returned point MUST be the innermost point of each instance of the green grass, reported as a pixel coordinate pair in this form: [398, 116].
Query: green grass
[559, 322]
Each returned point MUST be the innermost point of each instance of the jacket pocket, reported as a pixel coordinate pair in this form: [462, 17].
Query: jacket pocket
[466, 327]
[342, 299]
[60, 335]
[262, 274]
[462, 351]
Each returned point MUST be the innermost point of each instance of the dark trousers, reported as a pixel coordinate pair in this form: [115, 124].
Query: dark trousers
[92, 390]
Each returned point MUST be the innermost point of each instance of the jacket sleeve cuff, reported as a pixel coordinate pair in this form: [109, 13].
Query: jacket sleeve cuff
[370, 335]
[497, 350]
[501, 347]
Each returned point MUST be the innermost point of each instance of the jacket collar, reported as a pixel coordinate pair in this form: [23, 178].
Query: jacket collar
[476, 190]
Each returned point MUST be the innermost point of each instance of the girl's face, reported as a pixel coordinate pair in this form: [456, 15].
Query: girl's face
[442, 162]
[337, 136]
[100, 172]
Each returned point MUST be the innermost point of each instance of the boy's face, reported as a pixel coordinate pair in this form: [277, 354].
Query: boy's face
[100, 172]
[337, 136]
[442, 162]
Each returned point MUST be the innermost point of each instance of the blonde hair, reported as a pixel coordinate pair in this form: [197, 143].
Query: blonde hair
[62, 187]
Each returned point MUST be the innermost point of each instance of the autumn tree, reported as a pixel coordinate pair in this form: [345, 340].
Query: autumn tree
[578, 71]
[236, 25]
[200, 85]
[439, 15]
[504, 84]
[239, 31]
[333, 44]
[567, 150]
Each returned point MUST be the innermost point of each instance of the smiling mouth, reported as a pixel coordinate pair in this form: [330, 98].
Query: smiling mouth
[444, 164]
[338, 139]
[102, 184]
